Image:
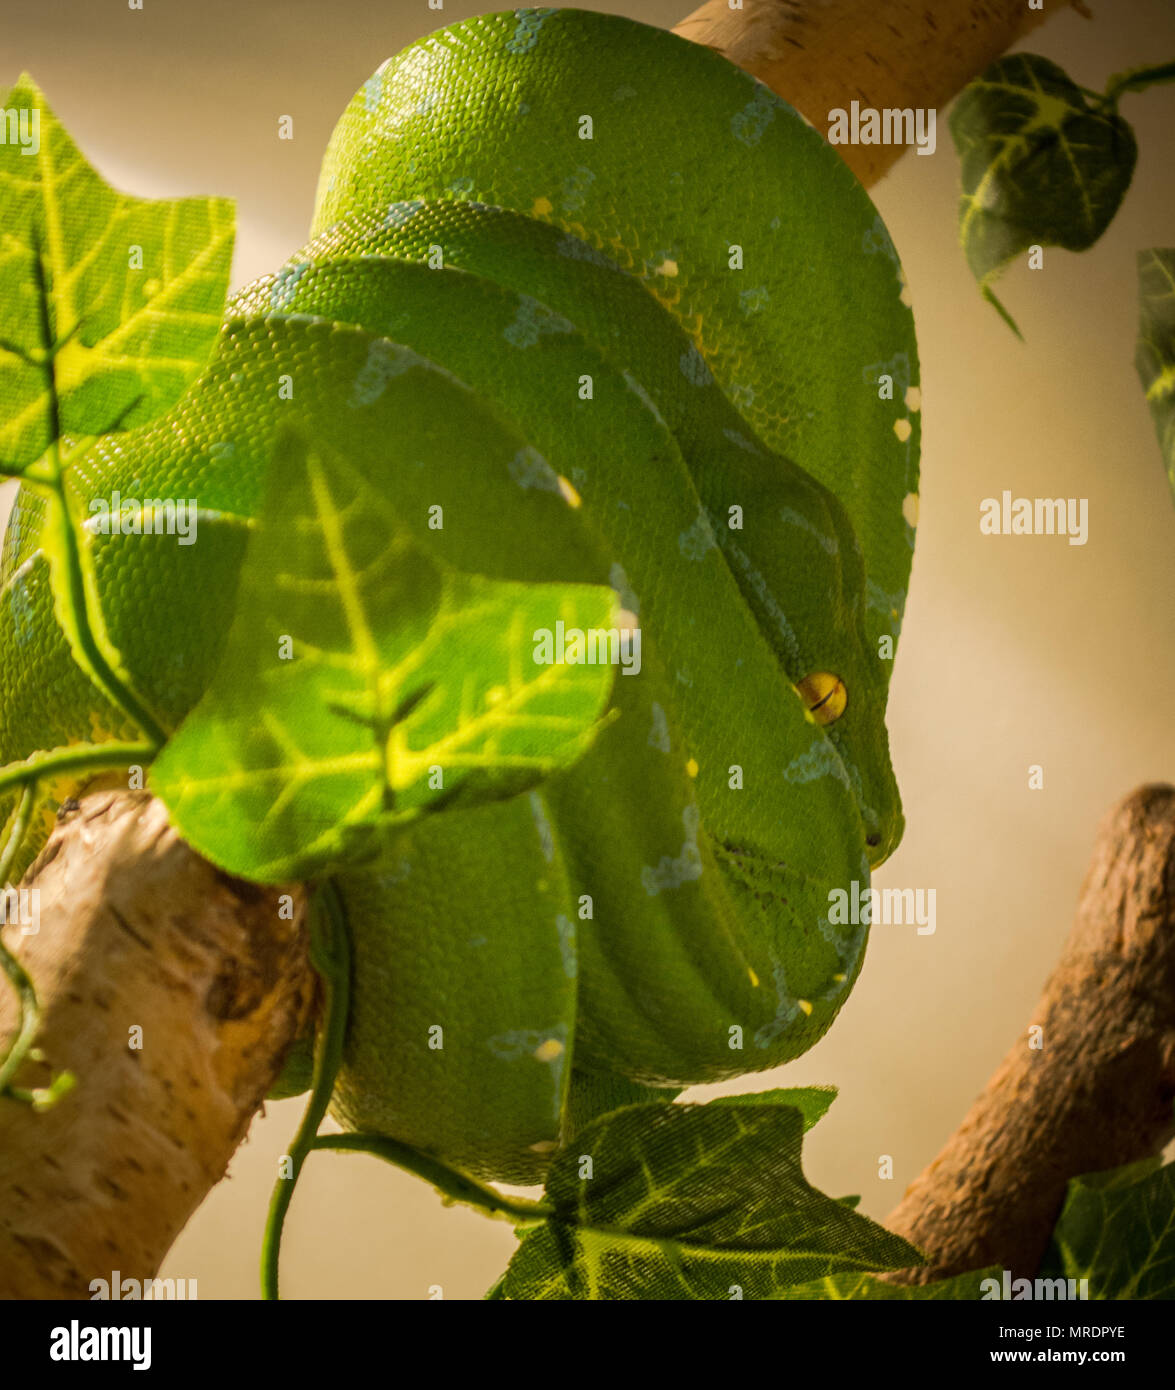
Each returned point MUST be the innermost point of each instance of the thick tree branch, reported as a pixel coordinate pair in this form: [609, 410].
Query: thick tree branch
[1100, 1089]
[136, 931]
[821, 54]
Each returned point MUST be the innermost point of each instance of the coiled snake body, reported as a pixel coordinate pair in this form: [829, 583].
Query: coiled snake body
[619, 312]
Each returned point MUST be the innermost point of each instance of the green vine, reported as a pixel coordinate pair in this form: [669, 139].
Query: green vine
[89, 758]
[454, 1186]
[330, 955]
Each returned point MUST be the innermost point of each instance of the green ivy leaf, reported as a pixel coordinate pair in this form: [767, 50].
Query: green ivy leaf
[811, 1101]
[1041, 165]
[135, 289]
[1155, 358]
[1117, 1229]
[358, 665]
[854, 1287]
[691, 1202]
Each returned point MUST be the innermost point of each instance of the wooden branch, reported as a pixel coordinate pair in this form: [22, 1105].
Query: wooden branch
[822, 54]
[137, 931]
[1100, 1091]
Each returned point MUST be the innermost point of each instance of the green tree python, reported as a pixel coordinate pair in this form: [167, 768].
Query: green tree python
[621, 314]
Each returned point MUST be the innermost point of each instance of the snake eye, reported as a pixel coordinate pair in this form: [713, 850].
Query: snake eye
[824, 695]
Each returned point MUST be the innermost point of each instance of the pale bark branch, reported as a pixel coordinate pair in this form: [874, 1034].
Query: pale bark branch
[822, 54]
[136, 931]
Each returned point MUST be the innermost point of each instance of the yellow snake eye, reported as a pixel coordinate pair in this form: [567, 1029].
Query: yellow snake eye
[824, 695]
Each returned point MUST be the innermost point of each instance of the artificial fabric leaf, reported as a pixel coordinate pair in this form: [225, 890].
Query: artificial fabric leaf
[854, 1287]
[366, 683]
[1126, 1176]
[1155, 358]
[691, 1202]
[1041, 165]
[297, 1073]
[134, 289]
[811, 1101]
[1117, 1230]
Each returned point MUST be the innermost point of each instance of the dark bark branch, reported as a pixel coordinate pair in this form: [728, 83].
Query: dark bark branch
[1100, 1091]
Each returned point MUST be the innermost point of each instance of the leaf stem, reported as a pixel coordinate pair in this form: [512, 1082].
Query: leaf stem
[18, 977]
[75, 596]
[454, 1186]
[112, 686]
[43, 1098]
[1136, 80]
[76, 758]
[20, 825]
[30, 1011]
[330, 955]
[30, 1016]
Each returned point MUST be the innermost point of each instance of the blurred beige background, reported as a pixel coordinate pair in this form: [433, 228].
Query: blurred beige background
[1015, 650]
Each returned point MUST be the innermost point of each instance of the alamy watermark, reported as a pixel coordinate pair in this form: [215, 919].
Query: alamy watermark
[119, 1289]
[152, 516]
[1035, 516]
[21, 907]
[595, 646]
[21, 125]
[1008, 1287]
[82, 1343]
[893, 125]
[866, 907]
